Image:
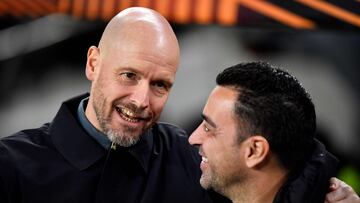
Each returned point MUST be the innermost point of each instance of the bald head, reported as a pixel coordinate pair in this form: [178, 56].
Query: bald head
[142, 29]
[132, 70]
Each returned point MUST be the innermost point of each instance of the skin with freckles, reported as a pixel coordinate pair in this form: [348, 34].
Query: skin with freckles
[131, 74]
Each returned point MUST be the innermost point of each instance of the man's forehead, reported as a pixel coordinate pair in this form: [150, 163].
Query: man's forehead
[223, 94]
[220, 101]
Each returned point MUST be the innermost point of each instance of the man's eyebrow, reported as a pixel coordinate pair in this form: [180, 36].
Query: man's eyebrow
[208, 120]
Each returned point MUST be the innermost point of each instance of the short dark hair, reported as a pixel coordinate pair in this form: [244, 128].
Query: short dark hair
[272, 103]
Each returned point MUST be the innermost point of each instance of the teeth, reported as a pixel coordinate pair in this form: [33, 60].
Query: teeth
[130, 120]
[127, 114]
[204, 159]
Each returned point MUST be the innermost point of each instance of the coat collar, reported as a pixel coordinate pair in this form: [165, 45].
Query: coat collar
[311, 183]
[79, 148]
[71, 140]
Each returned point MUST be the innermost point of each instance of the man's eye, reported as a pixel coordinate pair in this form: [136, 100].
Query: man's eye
[129, 78]
[206, 129]
[160, 87]
[129, 75]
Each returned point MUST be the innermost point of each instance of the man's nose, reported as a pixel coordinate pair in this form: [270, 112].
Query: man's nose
[140, 95]
[195, 137]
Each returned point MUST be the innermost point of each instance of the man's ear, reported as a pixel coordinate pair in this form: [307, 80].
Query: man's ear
[93, 59]
[257, 149]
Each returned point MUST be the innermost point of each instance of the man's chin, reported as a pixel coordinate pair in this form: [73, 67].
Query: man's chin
[205, 184]
[123, 140]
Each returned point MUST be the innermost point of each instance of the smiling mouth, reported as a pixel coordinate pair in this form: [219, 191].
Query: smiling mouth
[128, 114]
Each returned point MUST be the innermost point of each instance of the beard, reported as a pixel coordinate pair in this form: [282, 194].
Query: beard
[222, 181]
[122, 139]
[124, 135]
[209, 179]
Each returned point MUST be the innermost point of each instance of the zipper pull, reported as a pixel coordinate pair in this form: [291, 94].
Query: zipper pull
[113, 146]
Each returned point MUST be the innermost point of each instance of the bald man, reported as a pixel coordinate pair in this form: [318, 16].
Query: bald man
[106, 146]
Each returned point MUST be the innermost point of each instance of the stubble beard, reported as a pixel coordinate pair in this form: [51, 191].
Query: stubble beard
[220, 183]
[208, 180]
[124, 137]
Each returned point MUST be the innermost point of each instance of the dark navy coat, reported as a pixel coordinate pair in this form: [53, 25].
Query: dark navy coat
[59, 162]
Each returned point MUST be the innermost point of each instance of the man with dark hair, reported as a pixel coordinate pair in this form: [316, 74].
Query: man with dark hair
[257, 138]
[272, 103]
[107, 146]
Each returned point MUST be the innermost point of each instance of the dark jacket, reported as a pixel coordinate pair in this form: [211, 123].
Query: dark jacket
[311, 183]
[59, 162]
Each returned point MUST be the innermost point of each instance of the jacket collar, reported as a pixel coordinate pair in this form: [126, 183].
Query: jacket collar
[79, 148]
[97, 135]
[71, 140]
[311, 183]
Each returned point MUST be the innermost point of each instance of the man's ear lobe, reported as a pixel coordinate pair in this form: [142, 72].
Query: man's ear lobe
[256, 151]
[93, 59]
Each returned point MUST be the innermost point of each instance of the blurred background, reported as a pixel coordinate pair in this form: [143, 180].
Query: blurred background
[43, 46]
